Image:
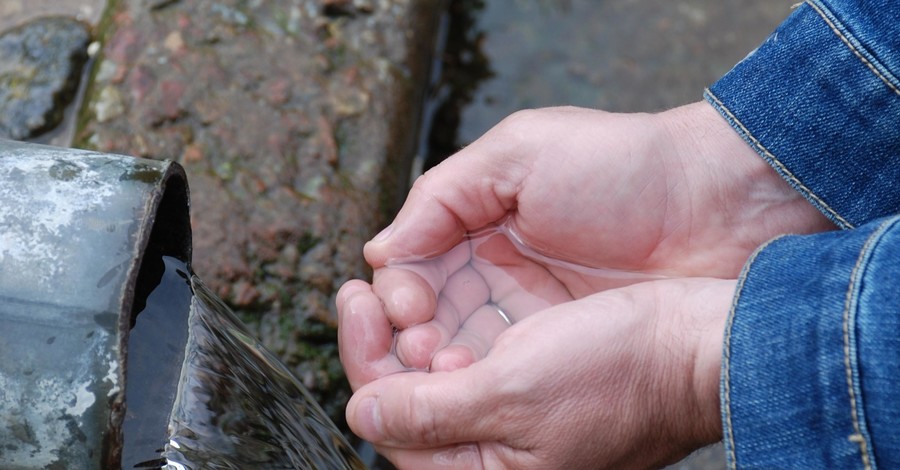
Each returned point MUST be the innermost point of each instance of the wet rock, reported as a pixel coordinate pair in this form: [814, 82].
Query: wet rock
[40, 64]
[18, 12]
[109, 105]
[296, 130]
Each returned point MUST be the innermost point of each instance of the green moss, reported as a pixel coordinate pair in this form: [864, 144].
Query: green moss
[101, 33]
[317, 332]
[307, 242]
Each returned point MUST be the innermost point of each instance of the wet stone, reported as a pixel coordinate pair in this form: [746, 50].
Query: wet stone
[40, 64]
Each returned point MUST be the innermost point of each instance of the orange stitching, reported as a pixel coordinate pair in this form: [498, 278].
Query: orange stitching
[771, 157]
[853, 49]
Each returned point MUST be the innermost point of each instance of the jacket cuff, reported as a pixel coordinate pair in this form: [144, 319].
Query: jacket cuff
[818, 101]
[812, 352]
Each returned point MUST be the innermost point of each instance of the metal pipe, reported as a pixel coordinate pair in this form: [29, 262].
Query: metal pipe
[74, 226]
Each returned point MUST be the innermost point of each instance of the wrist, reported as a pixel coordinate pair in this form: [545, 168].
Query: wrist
[707, 354]
[738, 201]
[690, 340]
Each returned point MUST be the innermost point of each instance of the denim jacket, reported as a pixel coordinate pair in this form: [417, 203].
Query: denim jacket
[811, 367]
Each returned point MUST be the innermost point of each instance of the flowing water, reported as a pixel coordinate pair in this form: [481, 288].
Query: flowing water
[235, 405]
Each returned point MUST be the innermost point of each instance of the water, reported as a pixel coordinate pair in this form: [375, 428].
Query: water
[235, 405]
[156, 349]
[489, 281]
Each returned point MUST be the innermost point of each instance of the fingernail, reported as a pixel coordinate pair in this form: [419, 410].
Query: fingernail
[368, 418]
[457, 456]
[384, 234]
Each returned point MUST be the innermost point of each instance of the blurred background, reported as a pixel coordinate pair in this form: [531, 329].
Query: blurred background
[300, 123]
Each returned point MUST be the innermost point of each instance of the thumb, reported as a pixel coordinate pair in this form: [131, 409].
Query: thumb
[417, 410]
[467, 191]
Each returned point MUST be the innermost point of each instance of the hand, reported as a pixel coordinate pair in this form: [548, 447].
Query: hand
[672, 194]
[676, 193]
[627, 378]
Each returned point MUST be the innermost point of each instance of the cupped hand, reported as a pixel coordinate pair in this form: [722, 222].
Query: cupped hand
[627, 378]
[587, 201]
[677, 193]
[671, 194]
[447, 310]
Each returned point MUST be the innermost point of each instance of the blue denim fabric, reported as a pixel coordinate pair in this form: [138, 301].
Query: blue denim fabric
[811, 375]
[820, 101]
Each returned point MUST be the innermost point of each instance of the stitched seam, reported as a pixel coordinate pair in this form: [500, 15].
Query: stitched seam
[729, 430]
[857, 436]
[849, 303]
[774, 160]
[840, 34]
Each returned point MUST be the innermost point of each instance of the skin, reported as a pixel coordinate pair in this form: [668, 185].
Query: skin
[546, 386]
[595, 371]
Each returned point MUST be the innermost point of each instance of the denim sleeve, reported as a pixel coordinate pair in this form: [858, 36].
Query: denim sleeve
[820, 101]
[811, 369]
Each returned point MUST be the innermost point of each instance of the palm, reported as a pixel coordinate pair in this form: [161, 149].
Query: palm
[462, 300]
[598, 204]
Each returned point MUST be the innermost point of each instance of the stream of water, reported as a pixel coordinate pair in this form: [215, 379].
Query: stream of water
[235, 405]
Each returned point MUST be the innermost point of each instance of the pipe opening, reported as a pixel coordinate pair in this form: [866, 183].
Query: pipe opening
[157, 332]
[170, 236]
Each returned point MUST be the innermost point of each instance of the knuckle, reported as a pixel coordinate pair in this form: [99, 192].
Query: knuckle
[423, 181]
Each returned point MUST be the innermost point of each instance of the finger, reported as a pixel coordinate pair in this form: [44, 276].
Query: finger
[348, 289]
[473, 188]
[416, 346]
[365, 337]
[464, 293]
[418, 410]
[520, 286]
[408, 299]
[409, 290]
[473, 341]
